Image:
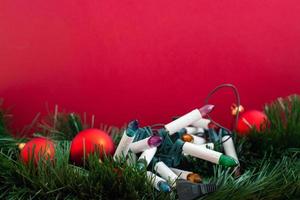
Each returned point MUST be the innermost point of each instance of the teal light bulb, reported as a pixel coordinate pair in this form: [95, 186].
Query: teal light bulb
[164, 186]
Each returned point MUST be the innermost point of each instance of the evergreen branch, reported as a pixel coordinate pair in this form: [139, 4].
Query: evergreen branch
[65, 181]
[269, 160]
[61, 126]
[279, 138]
[65, 126]
[8, 143]
[279, 180]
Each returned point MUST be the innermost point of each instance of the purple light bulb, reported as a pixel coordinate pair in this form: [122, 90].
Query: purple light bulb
[154, 141]
[206, 109]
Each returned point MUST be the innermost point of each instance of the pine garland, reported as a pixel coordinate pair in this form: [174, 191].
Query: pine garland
[65, 181]
[270, 164]
[282, 136]
[7, 142]
[269, 180]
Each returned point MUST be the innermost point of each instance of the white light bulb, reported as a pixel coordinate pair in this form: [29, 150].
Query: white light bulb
[123, 147]
[165, 172]
[228, 146]
[181, 173]
[201, 123]
[198, 140]
[147, 143]
[146, 157]
[209, 145]
[209, 155]
[188, 119]
[193, 130]
[159, 183]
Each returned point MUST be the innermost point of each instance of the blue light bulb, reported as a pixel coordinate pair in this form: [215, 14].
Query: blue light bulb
[164, 186]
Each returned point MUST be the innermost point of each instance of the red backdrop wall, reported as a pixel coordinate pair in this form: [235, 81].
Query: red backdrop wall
[148, 59]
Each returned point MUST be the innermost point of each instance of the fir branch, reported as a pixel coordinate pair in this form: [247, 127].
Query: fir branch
[65, 126]
[61, 126]
[279, 180]
[281, 135]
[8, 143]
[269, 160]
[65, 181]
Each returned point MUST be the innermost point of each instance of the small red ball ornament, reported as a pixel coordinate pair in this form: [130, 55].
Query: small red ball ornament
[89, 141]
[36, 149]
[251, 119]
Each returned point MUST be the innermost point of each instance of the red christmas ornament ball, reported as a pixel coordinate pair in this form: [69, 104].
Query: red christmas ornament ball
[89, 141]
[251, 119]
[36, 149]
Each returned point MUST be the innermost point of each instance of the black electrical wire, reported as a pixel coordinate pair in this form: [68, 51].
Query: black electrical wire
[237, 96]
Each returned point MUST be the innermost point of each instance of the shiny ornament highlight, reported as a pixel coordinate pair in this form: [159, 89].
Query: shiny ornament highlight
[36, 149]
[88, 142]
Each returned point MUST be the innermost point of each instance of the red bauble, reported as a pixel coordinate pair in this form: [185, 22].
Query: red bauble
[251, 119]
[89, 141]
[36, 149]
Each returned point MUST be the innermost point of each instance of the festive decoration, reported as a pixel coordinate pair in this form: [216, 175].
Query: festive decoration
[165, 172]
[187, 138]
[235, 109]
[188, 119]
[202, 124]
[209, 155]
[193, 139]
[251, 119]
[193, 129]
[269, 160]
[21, 145]
[169, 145]
[126, 140]
[36, 149]
[88, 142]
[228, 146]
[147, 143]
[159, 183]
[171, 152]
[186, 175]
[145, 158]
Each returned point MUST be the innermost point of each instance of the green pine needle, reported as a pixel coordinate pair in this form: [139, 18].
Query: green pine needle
[62, 180]
[270, 164]
[270, 180]
[280, 138]
[65, 126]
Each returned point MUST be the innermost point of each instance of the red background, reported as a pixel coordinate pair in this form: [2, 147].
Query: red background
[149, 59]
